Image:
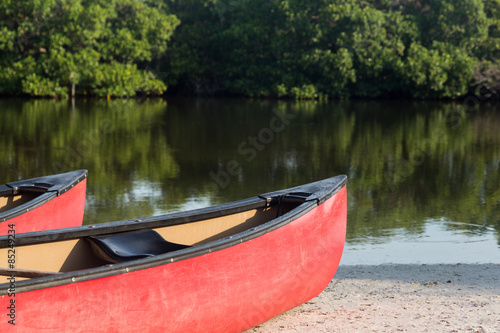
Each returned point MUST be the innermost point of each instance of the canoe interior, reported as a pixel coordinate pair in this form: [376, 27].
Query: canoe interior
[8, 202]
[77, 254]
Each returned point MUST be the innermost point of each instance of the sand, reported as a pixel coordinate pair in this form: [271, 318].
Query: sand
[400, 298]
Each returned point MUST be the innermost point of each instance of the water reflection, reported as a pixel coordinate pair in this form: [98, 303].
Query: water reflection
[436, 243]
[410, 163]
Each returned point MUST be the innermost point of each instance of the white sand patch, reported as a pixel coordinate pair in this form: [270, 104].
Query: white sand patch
[400, 298]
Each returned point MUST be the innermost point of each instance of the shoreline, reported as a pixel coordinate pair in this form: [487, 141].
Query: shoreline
[400, 298]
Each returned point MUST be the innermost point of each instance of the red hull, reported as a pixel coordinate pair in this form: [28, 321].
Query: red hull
[64, 211]
[229, 290]
[60, 211]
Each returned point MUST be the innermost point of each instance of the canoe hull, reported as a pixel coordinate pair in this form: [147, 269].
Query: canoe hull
[59, 211]
[229, 290]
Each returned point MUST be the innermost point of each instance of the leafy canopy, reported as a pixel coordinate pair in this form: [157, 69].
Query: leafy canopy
[48, 46]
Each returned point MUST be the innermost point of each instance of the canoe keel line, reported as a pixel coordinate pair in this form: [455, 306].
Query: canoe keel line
[226, 277]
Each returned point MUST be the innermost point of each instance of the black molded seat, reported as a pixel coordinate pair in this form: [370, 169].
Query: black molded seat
[133, 245]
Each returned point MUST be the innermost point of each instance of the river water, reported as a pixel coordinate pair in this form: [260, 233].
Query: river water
[424, 181]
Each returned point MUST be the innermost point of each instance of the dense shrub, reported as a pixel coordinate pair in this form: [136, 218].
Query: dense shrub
[307, 49]
[50, 47]
[281, 48]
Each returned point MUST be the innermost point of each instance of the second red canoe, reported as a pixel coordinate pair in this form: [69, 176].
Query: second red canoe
[43, 203]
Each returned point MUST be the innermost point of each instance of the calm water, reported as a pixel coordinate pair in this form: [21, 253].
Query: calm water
[424, 185]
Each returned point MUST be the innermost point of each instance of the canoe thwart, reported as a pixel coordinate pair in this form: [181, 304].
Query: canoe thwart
[24, 273]
[126, 246]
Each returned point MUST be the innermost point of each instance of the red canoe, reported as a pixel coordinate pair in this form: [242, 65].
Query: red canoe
[43, 203]
[225, 268]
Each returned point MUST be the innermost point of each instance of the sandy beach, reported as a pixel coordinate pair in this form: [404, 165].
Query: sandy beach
[400, 298]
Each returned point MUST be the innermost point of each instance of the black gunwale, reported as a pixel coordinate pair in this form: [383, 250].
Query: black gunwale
[64, 182]
[322, 190]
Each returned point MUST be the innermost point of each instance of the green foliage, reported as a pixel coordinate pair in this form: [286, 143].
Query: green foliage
[122, 80]
[307, 91]
[48, 47]
[332, 71]
[42, 86]
[438, 72]
[360, 48]
[283, 48]
[458, 22]
[376, 39]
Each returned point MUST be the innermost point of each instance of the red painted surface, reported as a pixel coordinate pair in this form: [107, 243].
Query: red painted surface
[64, 211]
[230, 290]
